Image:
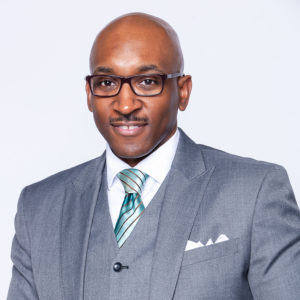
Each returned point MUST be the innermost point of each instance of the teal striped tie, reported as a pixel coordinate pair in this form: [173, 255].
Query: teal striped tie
[132, 207]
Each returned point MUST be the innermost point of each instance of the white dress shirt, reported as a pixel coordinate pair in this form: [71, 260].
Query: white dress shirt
[156, 165]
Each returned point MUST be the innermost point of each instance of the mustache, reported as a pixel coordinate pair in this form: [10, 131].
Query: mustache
[129, 118]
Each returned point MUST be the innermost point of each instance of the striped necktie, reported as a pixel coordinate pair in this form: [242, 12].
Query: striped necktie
[132, 207]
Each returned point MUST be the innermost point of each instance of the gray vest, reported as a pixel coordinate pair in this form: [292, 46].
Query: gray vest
[101, 281]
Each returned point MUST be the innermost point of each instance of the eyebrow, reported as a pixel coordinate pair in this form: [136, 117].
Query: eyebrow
[151, 67]
[142, 68]
[103, 70]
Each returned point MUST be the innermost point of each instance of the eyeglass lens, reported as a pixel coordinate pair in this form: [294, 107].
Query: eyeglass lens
[142, 85]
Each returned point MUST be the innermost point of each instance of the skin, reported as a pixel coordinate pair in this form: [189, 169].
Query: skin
[130, 45]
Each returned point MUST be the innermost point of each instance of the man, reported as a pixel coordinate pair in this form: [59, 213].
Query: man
[156, 216]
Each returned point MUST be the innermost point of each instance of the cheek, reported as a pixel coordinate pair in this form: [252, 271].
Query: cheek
[101, 119]
[101, 113]
[164, 112]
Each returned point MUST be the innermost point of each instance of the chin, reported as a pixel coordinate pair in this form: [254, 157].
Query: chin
[132, 153]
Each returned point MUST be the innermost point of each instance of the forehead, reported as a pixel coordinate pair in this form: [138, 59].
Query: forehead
[125, 48]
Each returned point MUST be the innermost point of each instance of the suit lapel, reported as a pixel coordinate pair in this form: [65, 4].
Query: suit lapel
[186, 185]
[80, 199]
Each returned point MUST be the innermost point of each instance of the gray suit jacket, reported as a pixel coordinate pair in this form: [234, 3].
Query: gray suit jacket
[209, 193]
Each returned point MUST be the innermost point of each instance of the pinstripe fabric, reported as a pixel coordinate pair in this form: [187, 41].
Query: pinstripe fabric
[132, 207]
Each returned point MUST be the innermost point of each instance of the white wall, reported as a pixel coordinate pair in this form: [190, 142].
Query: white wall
[243, 55]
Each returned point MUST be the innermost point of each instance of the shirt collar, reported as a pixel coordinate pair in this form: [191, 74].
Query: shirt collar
[156, 165]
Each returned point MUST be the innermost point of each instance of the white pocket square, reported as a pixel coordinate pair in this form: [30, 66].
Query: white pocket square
[221, 238]
[190, 245]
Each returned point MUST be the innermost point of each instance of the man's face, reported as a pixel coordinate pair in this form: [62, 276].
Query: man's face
[134, 125]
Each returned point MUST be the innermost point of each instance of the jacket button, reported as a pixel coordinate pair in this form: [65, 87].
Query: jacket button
[117, 267]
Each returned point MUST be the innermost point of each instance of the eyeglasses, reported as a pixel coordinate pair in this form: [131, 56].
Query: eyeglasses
[147, 85]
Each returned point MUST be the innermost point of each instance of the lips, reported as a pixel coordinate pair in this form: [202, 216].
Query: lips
[128, 128]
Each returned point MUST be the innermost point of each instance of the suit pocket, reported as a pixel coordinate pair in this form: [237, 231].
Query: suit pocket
[210, 252]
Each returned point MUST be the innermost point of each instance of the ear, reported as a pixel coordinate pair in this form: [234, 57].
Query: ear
[185, 88]
[89, 96]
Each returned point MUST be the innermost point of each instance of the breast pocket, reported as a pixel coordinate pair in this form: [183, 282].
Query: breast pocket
[210, 252]
[206, 272]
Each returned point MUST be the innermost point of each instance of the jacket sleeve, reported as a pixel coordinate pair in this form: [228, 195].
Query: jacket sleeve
[22, 284]
[274, 270]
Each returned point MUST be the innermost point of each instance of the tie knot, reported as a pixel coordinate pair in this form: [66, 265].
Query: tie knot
[132, 180]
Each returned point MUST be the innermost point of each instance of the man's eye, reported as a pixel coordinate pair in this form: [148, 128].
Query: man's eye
[148, 81]
[106, 83]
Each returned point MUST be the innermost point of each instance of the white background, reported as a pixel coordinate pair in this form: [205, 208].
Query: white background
[244, 57]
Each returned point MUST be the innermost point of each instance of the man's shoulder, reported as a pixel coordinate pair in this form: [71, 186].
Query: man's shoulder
[46, 197]
[67, 176]
[228, 163]
[222, 160]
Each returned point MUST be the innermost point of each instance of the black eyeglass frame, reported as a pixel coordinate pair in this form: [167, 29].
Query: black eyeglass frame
[128, 80]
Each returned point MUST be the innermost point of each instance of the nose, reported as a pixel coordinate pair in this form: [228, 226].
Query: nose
[127, 102]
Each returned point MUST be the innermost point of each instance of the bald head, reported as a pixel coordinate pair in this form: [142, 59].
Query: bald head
[137, 117]
[142, 34]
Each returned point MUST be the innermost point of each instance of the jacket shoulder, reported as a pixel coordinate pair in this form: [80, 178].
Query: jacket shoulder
[228, 162]
[65, 177]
